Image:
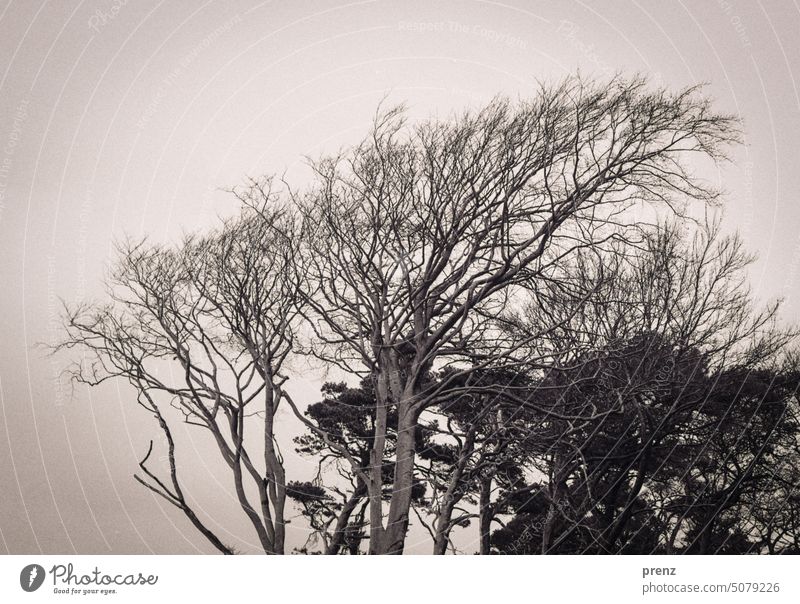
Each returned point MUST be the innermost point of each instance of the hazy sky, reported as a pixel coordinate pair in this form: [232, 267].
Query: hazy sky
[123, 118]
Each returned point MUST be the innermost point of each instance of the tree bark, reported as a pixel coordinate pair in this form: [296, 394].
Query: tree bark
[400, 504]
[485, 515]
[375, 486]
[451, 497]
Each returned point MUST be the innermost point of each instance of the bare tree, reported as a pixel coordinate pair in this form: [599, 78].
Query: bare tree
[415, 235]
[206, 328]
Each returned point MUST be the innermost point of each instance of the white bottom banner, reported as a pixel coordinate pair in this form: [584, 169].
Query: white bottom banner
[405, 579]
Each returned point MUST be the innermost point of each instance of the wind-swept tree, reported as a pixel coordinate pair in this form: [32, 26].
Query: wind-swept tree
[417, 234]
[206, 328]
[529, 332]
[664, 339]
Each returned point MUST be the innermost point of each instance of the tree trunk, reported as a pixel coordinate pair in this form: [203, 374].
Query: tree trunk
[451, 497]
[275, 475]
[704, 541]
[557, 480]
[485, 515]
[278, 496]
[354, 545]
[375, 486]
[400, 504]
[340, 531]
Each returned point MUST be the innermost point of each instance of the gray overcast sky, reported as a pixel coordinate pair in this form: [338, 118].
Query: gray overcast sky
[126, 117]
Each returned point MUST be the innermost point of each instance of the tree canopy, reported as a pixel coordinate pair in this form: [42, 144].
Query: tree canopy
[533, 337]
